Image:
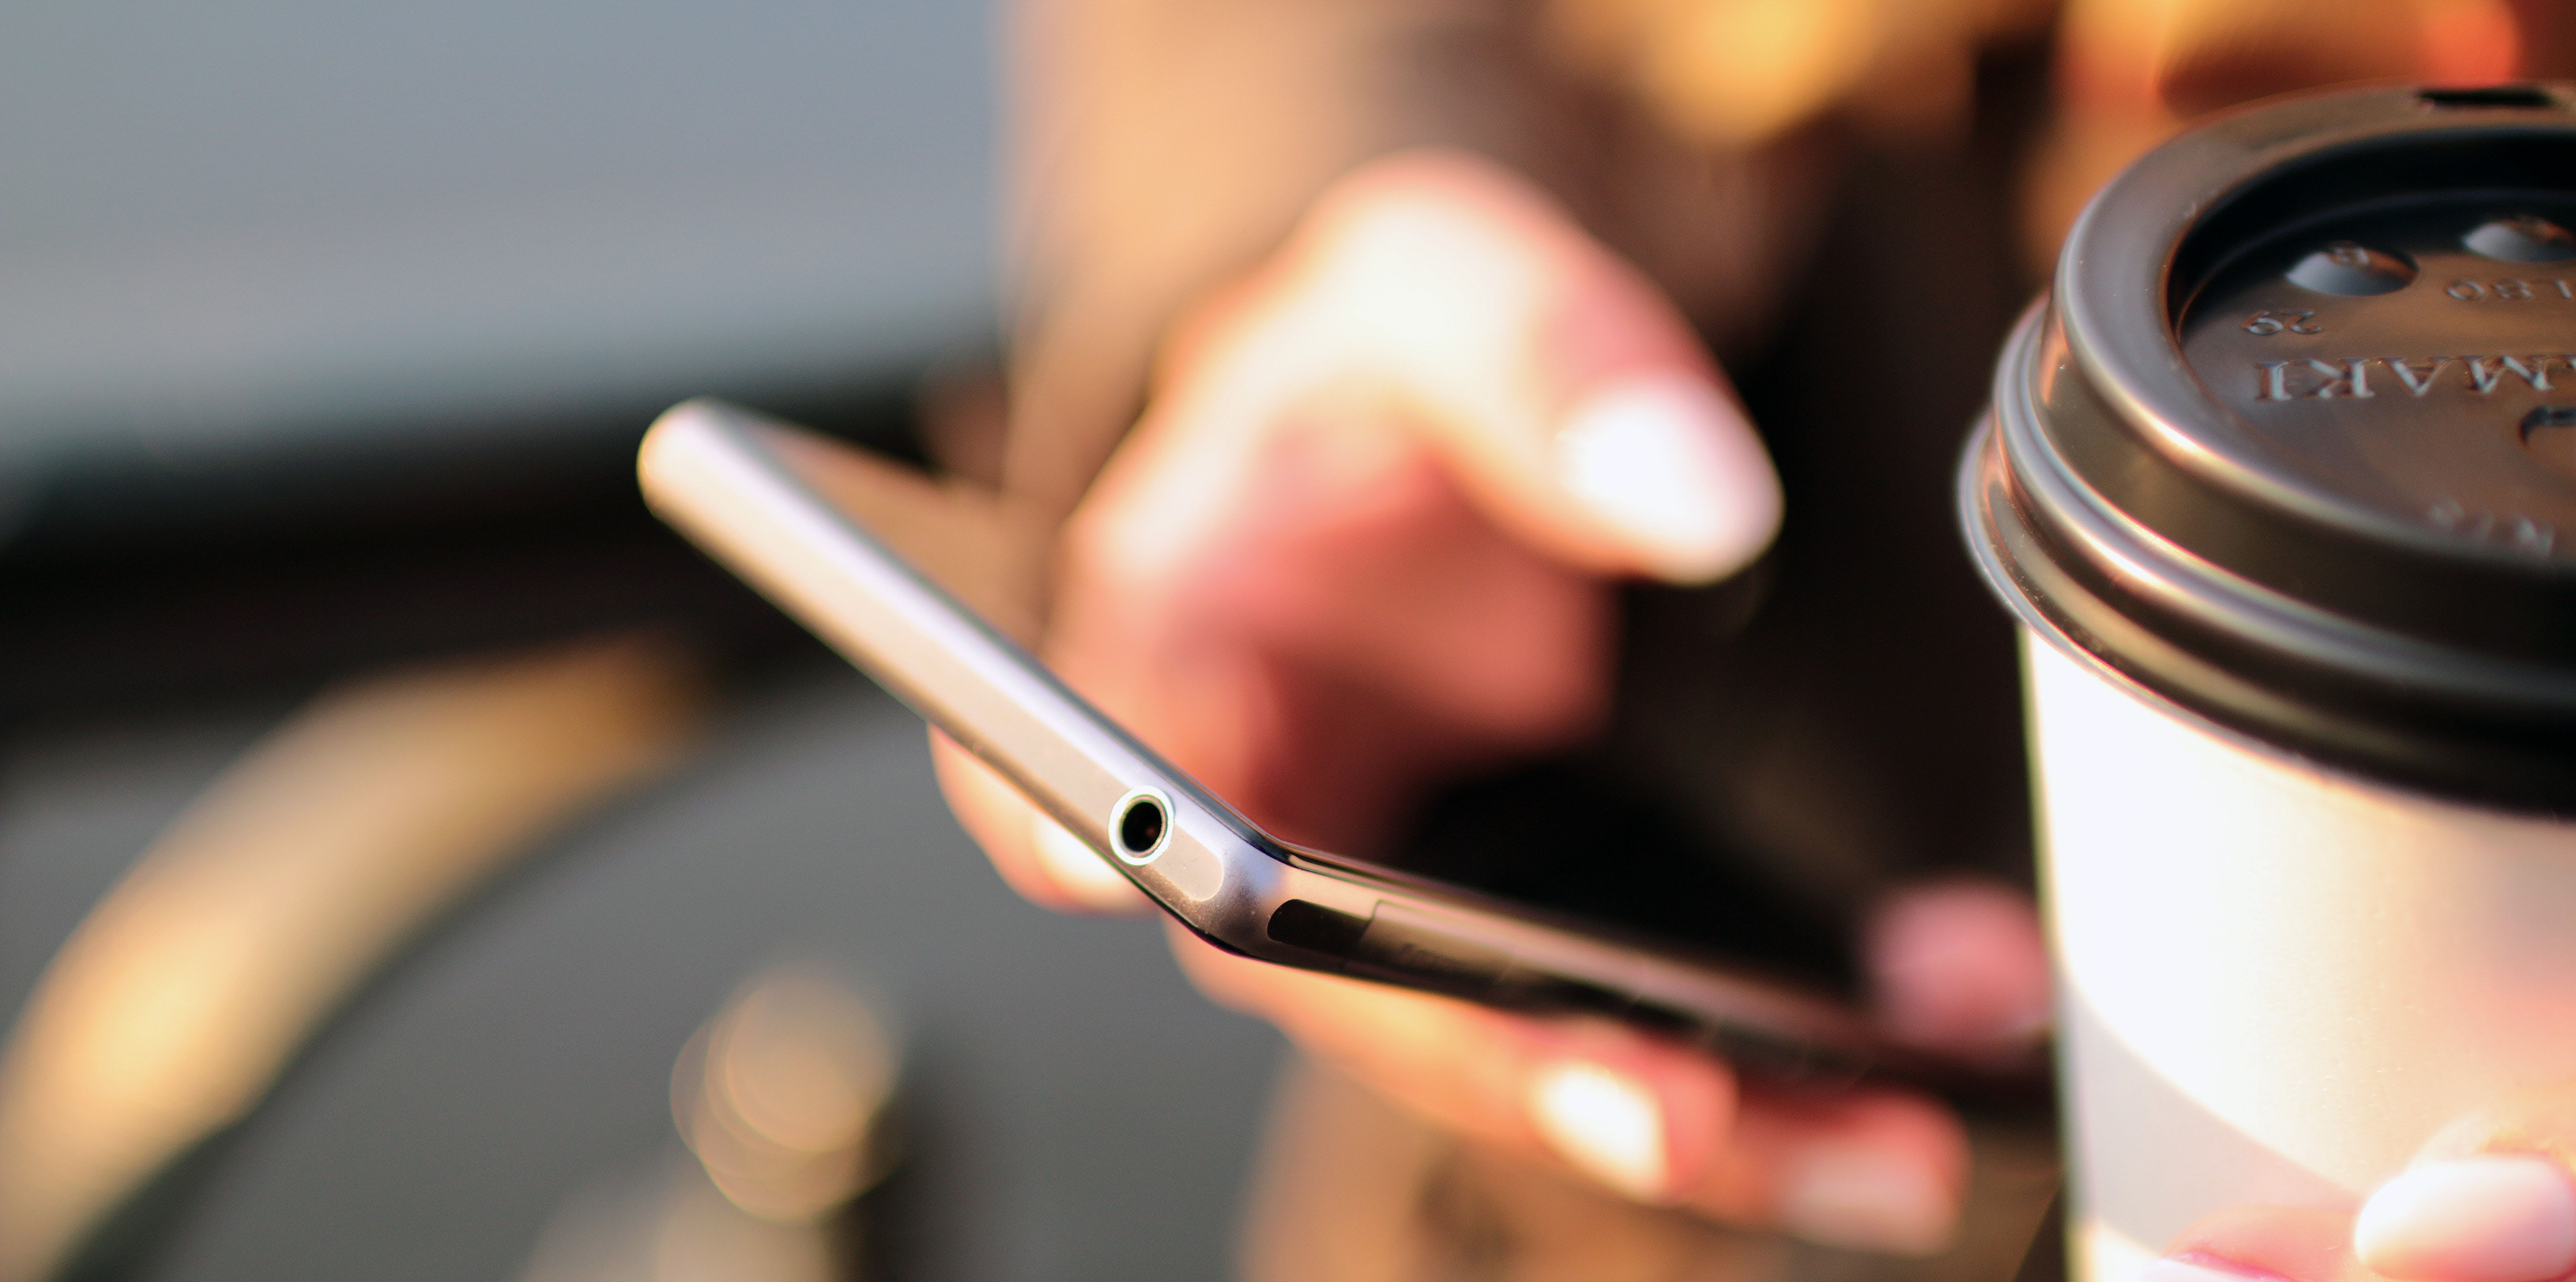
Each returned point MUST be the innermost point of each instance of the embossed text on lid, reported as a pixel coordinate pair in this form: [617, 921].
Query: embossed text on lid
[2411, 402]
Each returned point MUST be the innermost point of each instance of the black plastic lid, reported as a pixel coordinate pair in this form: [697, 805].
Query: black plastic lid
[2293, 442]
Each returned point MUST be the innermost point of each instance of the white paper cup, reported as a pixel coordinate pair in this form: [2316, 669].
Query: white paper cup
[2275, 981]
[2295, 554]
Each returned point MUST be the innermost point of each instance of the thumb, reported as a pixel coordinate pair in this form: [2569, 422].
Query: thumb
[1569, 398]
[2491, 1198]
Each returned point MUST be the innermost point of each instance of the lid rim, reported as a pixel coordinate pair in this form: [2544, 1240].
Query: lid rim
[2300, 681]
[2210, 697]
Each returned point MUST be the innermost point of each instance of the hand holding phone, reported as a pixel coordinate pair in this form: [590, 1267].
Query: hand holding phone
[1320, 586]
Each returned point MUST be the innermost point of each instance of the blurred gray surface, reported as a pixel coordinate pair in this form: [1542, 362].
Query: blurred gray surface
[275, 216]
[1088, 1116]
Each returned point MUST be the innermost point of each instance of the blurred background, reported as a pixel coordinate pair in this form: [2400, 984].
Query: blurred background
[414, 861]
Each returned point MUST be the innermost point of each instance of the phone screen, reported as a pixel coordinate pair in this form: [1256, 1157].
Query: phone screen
[1568, 836]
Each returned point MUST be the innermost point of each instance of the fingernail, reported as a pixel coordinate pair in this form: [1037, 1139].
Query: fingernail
[1866, 1199]
[2170, 1270]
[1961, 967]
[1606, 1123]
[2496, 1217]
[1668, 462]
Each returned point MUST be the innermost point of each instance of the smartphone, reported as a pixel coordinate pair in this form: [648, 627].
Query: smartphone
[753, 492]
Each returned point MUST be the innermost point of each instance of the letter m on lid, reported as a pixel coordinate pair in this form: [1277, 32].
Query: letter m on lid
[2535, 373]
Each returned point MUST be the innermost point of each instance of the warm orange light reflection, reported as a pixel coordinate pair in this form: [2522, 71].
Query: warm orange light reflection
[174, 1005]
[783, 1095]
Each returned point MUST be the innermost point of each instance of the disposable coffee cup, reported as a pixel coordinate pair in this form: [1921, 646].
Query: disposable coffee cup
[2280, 481]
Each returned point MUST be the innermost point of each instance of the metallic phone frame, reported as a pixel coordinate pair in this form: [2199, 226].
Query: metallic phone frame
[713, 471]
